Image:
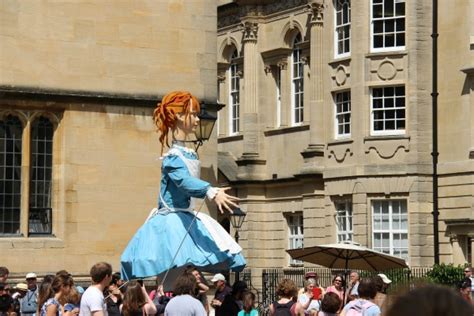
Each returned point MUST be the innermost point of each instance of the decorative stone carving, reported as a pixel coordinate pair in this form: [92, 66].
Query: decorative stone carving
[283, 64]
[341, 75]
[268, 69]
[250, 29]
[386, 147]
[305, 60]
[386, 70]
[317, 12]
[339, 155]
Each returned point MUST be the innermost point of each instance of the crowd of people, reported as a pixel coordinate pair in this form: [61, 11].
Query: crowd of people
[109, 295]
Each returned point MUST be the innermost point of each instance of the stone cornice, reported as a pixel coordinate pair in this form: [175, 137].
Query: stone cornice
[36, 94]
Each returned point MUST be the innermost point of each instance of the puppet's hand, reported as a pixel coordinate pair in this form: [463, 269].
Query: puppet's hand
[225, 201]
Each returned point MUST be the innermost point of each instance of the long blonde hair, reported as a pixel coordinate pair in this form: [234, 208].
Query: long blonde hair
[165, 114]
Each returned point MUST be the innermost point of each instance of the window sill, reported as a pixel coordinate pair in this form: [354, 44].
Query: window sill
[338, 60]
[386, 137]
[286, 130]
[228, 139]
[387, 53]
[36, 242]
[342, 141]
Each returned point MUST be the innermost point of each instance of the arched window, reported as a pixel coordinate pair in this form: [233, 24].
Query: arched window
[343, 27]
[11, 133]
[234, 95]
[41, 176]
[297, 89]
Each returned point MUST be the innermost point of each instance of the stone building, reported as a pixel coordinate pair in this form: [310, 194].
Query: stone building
[79, 159]
[327, 132]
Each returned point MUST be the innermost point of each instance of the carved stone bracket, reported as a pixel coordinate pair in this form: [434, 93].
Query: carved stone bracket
[250, 30]
[283, 64]
[317, 12]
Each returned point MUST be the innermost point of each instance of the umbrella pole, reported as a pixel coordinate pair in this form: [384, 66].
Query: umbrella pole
[346, 279]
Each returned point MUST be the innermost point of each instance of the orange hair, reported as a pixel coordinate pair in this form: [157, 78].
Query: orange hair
[164, 115]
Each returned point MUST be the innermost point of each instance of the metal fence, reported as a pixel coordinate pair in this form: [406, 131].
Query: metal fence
[271, 277]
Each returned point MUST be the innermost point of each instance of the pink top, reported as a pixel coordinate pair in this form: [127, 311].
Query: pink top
[333, 289]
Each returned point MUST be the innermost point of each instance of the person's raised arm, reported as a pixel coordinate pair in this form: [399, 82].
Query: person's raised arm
[149, 307]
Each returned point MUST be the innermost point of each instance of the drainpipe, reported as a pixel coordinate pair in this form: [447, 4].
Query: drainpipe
[434, 96]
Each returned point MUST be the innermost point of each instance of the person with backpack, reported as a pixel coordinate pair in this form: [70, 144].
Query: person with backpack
[286, 305]
[363, 306]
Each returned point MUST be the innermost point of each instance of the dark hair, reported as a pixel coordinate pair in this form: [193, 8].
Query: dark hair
[343, 282]
[48, 289]
[45, 292]
[185, 284]
[63, 272]
[48, 278]
[99, 271]
[248, 299]
[4, 271]
[238, 288]
[133, 299]
[286, 288]
[367, 289]
[331, 303]
[430, 300]
[115, 278]
[379, 285]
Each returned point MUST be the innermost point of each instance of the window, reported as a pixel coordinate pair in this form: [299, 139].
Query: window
[388, 25]
[11, 134]
[390, 227]
[295, 234]
[41, 176]
[344, 220]
[343, 114]
[234, 95]
[278, 96]
[297, 91]
[388, 110]
[343, 27]
[39, 156]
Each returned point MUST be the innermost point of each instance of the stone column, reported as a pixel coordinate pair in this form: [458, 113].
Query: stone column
[314, 154]
[249, 161]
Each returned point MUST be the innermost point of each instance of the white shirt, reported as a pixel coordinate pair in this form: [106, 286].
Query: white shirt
[92, 301]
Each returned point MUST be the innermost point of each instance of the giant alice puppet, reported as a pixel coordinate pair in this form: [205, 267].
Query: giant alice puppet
[176, 234]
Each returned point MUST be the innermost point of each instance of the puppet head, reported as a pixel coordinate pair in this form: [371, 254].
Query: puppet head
[165, 114]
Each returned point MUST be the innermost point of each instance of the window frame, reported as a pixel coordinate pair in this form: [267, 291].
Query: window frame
[374, 132]
[347, 217]
[296, 50]
[391, 231]
[297, 222]
[28, 211]
[337, 135]
[278, 96]
[371, 21]
[337, 27]
[234, 94]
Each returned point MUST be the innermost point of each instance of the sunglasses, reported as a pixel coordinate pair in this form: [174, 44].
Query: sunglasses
[467, 271]
[338, 280]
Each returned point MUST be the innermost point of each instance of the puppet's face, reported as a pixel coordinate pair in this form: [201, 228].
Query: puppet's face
[189, 122]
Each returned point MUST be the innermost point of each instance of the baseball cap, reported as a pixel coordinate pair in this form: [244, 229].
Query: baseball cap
[218, 277]
[384, 278]
[31, 275]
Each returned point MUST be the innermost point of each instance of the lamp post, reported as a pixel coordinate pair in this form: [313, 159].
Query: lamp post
[237, 219]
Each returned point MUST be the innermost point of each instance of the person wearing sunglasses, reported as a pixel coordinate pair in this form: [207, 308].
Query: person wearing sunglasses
[469, 279]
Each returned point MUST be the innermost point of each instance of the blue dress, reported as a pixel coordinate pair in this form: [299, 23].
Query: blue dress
[207, 245]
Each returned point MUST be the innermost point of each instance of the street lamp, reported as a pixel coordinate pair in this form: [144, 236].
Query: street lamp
[207, 120]
[237, 219]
